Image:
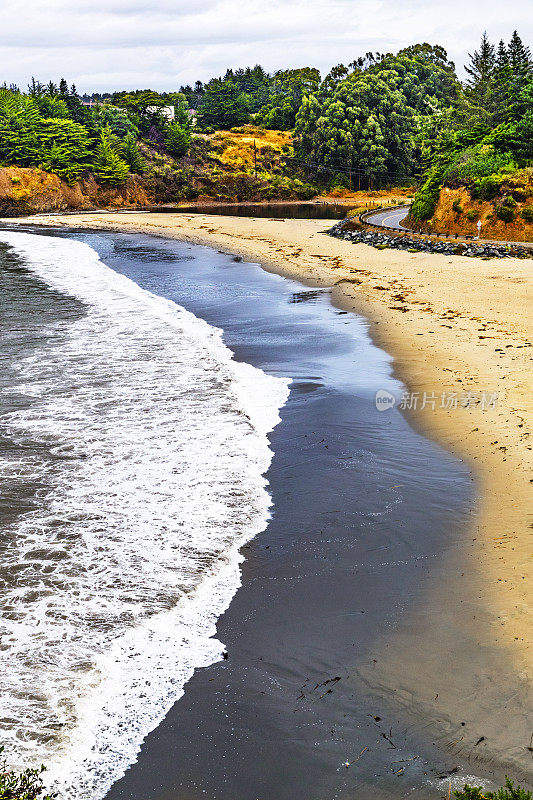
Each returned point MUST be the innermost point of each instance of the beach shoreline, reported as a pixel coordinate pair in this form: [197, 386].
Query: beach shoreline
[454, 326]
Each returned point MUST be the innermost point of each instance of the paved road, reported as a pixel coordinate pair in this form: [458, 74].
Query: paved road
[391, 218]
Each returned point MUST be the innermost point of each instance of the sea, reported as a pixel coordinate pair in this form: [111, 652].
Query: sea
[133, 456]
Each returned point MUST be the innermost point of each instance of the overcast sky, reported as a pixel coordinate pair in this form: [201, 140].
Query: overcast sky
[113, 44]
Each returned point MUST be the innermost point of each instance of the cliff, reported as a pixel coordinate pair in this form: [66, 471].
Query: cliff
[30, 191]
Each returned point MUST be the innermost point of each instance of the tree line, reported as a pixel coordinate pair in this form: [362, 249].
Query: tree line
[50, 127]
[383, 119]
[487, 134]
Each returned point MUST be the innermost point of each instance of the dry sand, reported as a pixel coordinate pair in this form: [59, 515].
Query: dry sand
[453, 324]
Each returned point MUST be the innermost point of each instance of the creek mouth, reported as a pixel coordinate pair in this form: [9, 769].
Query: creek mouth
[292, 210]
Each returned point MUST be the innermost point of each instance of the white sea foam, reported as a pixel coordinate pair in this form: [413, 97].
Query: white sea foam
[150, 443]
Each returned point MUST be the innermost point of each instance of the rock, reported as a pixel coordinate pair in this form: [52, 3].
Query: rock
[383, 241]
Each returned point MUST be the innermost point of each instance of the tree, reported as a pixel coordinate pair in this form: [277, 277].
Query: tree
[177, 139]
[369, 123]
[288, 88]
[19, 122]
[519, 57]
[114, 118]
[131, 155]
[109, 167]
[223, 105]
[364, 128]
[64, 148]
[253, 83]
[481, 72]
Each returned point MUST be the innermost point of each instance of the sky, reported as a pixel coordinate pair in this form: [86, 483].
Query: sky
[105, 45]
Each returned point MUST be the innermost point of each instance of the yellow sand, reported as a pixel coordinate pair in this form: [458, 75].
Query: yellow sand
[453, 324]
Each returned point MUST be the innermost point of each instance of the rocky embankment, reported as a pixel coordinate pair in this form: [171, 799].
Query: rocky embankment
[25, 190]
[345, 230]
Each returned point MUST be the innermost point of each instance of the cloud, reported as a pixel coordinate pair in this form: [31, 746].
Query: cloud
[110, 44]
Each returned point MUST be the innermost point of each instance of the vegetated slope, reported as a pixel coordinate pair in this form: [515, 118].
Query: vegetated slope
[29, 190]
[223, 167]
[480, 158]
[246, 163]
[504, 206]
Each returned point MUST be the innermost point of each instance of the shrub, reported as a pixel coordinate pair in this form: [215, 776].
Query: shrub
[472, 216]
[305, 191]
[507, 792]
[427, 197]
[487, 188]
[27, 785]
[505, 213]
[457, 207]
[480, 162]
[509, 201]
[527, 213]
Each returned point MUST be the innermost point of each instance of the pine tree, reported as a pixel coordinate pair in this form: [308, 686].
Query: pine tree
[109, 168]
[481, 71]
[19, 123]
[177, 139]
[132, 156]
[502, 57]
[223, 105]
[519, 56]
[64, 148]
[499, 100]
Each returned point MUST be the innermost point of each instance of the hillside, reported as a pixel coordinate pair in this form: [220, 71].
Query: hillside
[246, 163]
[504, 206]
[219, 166]
[28, 190]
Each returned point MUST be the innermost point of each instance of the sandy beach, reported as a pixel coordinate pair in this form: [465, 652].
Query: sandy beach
[458, 329]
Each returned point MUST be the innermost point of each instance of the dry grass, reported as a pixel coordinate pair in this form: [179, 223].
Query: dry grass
[236, 147]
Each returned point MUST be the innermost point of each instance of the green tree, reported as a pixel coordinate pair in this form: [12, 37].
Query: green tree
[519, 58]
[363, 128]
[19, 122]
[132, 156]
[223, 105]
[109, 167]
[480, 70]
[64, 148]
[177, 139]
[288, 88]
[115, 119]
[253, 83]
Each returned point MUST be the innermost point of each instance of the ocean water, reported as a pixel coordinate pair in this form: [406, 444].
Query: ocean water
[133, 453]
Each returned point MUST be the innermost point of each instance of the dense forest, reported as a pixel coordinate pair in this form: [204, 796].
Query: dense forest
[385, 119]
